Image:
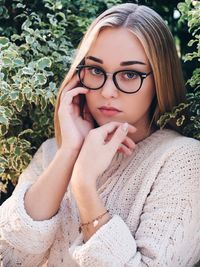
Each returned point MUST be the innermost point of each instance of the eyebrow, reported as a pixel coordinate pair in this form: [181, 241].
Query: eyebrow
[123, 63]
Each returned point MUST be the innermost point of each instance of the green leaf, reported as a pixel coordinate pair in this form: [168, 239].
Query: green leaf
[43, 63]
[7, 62]
[40, 79]
[2, 75]
[28, 71]
[58, 5]
[14, 95]
[43, 120]
[27, 90]
[3, 41]
[4, 120]
[27, 131]
[25, 144]
[11, 140]
[19, 104]
[26, 158]
[19, 5]
[8, 112]
[30, 39]
[17, 151]
[18, 62]
[16, 122]
[29, 96]
[43, 103]
[15, 37]
[26, 24]
[52, 86]
[180, 121]
[3, 129]
[2, 170]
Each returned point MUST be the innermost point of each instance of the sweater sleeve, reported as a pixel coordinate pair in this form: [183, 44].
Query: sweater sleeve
[111, 245]
[169, 230]
[24, 241]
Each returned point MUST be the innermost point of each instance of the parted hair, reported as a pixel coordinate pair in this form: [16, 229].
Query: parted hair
[159, 47]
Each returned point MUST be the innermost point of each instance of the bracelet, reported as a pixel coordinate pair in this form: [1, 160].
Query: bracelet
[95, 221]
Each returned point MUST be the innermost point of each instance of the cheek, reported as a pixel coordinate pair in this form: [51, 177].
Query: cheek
[148, 94]
[141, 102]
[90, 99]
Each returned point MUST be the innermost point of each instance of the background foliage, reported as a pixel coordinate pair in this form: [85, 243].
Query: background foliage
[190, 121]
[37, 43]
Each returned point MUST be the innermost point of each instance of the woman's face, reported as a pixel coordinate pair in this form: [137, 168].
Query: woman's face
[114, 50]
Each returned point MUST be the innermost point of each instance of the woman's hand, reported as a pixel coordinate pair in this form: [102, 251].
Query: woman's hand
[73, 127]
[99, 148]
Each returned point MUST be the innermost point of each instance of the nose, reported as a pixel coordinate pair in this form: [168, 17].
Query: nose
[109, 89]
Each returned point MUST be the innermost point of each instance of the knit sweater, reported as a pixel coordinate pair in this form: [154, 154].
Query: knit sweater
[153, 197]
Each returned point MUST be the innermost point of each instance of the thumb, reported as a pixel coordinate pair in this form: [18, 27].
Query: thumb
[119, 136]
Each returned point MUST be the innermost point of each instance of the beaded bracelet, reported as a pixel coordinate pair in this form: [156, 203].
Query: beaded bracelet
[95, 221]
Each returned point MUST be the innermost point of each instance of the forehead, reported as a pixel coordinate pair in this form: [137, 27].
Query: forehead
[116, 45]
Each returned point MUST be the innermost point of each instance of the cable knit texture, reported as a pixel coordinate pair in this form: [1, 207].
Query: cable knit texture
[153, 197]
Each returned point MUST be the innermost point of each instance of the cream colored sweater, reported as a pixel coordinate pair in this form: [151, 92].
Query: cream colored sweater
[153, 195]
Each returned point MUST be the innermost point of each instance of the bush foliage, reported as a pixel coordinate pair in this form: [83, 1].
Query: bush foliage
[189, 121]
[37, 44]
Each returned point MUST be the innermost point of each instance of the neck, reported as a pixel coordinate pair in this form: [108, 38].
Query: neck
[143, 131]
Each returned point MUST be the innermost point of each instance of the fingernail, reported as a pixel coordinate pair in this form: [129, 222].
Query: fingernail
[125, 127]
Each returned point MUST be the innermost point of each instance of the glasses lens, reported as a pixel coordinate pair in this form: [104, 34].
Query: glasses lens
[128, 81]
[92, 77]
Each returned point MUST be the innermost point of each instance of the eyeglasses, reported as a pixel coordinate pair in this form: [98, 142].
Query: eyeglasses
[127, 81]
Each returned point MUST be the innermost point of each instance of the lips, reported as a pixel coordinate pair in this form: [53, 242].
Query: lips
[109, 108]
[109, 111]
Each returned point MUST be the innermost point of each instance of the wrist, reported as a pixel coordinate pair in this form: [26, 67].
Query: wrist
[81, 188]
[68, 153]
[96, 222]
[82, 181]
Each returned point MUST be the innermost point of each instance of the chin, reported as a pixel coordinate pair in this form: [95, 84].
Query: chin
[102, 121]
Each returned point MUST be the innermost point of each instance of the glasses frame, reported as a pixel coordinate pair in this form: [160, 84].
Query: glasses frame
[143, 75]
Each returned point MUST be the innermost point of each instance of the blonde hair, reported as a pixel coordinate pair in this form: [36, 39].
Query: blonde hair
[158, 44]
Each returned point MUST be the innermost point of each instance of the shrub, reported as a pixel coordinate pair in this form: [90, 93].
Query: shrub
[190, 123]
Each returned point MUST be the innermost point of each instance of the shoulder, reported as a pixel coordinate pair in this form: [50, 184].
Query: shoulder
[176, 160]
[180, 158]
[184, 146]
[40, 161]
[168, 150]
[44, 154]
[173, 143]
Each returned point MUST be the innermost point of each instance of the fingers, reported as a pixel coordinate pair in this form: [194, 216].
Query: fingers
[111, 126]
[121, 140]
[127, 147]
[68, 96]
[72, 84]
[108, 128]
[128, 142]
[124, 149]
[114, 136]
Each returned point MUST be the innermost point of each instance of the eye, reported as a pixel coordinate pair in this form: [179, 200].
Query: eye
[95, 71]
[129, 75]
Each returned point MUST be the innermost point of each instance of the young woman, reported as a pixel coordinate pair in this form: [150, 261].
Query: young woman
[111, 189]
